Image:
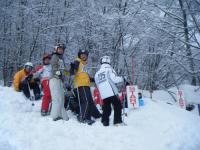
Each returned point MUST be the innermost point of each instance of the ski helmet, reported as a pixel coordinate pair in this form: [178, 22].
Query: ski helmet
[60, 45]
[105, 60]
[28, 66]
[80, 52]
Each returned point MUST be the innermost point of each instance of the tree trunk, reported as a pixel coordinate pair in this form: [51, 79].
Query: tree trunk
[188, 48]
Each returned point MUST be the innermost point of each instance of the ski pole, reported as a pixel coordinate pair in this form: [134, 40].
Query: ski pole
[50, 103]
[68, 103]
[123, 107]
[31, 96]
[49, 109]
[86, 100]
[199, 109]
[124, 101]
[79, 104]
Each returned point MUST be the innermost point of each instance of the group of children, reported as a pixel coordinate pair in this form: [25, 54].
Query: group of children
[51, 76]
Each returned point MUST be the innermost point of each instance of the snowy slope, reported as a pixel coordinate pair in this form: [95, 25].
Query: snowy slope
[156, 126]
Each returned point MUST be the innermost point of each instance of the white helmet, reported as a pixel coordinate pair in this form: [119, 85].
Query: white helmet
[28, 64]
[105, 60]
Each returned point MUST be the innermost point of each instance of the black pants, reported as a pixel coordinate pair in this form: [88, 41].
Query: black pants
[23, 86]
[87, 105]
[126, 103]
[114, 100]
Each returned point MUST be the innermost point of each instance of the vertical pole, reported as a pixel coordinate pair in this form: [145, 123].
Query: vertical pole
[133, 69]
[32, 98]
[199, 109]
[79, 102]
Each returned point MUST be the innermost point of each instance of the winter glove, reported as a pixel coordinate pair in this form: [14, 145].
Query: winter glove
[92, 79]
[58, 74]
[68, 88]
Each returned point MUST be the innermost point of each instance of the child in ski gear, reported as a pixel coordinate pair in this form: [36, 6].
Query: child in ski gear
[139, 95]
[141, 101]
[44, 72]
[82, 90]
[56, 84]
[23, 80]
[106, 80]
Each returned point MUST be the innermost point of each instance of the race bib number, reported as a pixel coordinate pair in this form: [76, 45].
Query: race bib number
[102, 77]
[85, 69]
[61, 63]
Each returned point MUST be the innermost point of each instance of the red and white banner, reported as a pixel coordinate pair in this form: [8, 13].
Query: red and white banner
[132, 96]
[181, 99]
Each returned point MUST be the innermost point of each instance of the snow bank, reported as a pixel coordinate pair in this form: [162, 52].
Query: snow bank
[156, 126]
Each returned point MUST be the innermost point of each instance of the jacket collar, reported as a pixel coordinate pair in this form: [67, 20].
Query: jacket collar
[106, 66]
[26, 73]
[83, 62]
[59, 55]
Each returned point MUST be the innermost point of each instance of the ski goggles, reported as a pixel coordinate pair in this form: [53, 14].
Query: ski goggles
[29, 68]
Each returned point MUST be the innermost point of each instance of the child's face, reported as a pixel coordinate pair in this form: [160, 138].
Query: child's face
[84, 57]
[60, 51]
[28, 69]
[47, 61]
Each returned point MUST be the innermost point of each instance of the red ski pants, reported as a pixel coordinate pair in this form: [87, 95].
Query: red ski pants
[46, 99]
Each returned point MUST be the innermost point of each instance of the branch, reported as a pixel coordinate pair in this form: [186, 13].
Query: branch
[168, 13]
[193, 17]
[177, 38]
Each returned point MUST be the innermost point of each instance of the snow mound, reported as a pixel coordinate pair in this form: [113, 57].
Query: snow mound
[156, 126]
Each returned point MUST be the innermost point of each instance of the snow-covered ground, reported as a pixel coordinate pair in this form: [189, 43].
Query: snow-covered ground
[191, 95]
[156, 126]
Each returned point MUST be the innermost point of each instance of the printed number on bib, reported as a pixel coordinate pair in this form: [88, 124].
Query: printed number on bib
[61, 63]
[102, 77]
[85, 69]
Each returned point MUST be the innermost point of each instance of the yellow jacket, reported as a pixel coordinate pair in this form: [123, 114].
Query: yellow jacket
[81, 77]
[18, 77]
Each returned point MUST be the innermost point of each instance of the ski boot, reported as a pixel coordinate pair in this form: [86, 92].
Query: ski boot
[58, 118]
[80, 119]
[105, 123]
[44, 113]
[89, 121]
